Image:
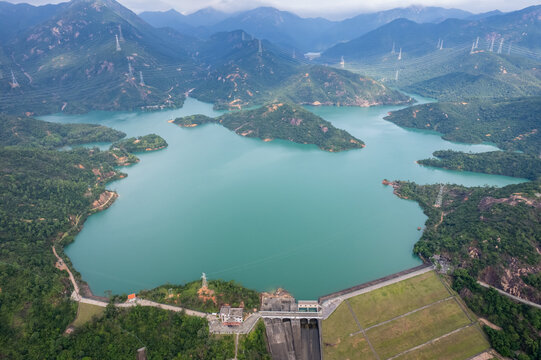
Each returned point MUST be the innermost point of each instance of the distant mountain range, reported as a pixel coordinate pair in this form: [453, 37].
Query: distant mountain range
[291, 31]
[522, 28]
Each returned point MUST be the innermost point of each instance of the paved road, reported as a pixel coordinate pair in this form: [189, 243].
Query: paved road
[516, 298]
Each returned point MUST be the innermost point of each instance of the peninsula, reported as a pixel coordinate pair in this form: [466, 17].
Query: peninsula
[281, 121]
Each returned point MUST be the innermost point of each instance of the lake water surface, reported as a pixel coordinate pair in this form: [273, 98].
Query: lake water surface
[264, 214]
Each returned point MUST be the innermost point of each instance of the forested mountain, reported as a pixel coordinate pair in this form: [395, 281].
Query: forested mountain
[62, 62]
[521, 28]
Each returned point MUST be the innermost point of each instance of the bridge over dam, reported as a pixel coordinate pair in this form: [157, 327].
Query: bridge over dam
[292, 315]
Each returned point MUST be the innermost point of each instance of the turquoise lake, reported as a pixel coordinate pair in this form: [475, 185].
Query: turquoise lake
[265, 214]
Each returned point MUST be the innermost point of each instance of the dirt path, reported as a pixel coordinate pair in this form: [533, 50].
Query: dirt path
[61, 265]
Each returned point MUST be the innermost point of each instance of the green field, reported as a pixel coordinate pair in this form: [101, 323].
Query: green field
[461, 345]
[399, 298]
[415, 329]
[86, 312]
[348, 347]
[417, 317]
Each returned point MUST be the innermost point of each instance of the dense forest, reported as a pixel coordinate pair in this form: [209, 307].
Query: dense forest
[219, 293]
[519, 337]
[510, 124]
[45, 196]
[490, 234]
[26, 131]
[495, 162]
[281, 121]
[148, 142]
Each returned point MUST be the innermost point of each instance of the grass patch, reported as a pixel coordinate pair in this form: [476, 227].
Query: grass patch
[415, 329]
[461, 345]
[340, 324]
[348, 347]
[397, 299]
[86, 312]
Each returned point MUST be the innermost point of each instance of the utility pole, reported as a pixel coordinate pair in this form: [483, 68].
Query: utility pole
[117, 44]
[500, 46]
[141, 81]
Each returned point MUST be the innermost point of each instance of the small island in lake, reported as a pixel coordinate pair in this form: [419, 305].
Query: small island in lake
[281, 121]
[123, 150]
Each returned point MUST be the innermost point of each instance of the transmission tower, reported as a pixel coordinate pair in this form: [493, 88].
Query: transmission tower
[243, 37]
[472, 47]
[441, 45]
[477, 43]
[14, 82]
[400, 54]
[120, 33]
[130, 71]
[260, 48]
[500, 46]
[396, 76]
[141, 81]
[509, 49]
[491, 45]
[342, 62]
[117, 44]
[392, 51]
[294, 56]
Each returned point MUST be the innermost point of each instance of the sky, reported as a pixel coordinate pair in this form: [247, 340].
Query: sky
[311, 8]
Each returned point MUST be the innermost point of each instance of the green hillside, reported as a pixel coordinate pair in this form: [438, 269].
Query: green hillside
[27, 131]
[495, 162]
[281, 121]
[511, 124]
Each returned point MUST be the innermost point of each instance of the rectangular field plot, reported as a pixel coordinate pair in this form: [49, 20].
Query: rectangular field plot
[461, 345]
[397, 299]
[339, 325]
[406, 332]
[348, 347]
